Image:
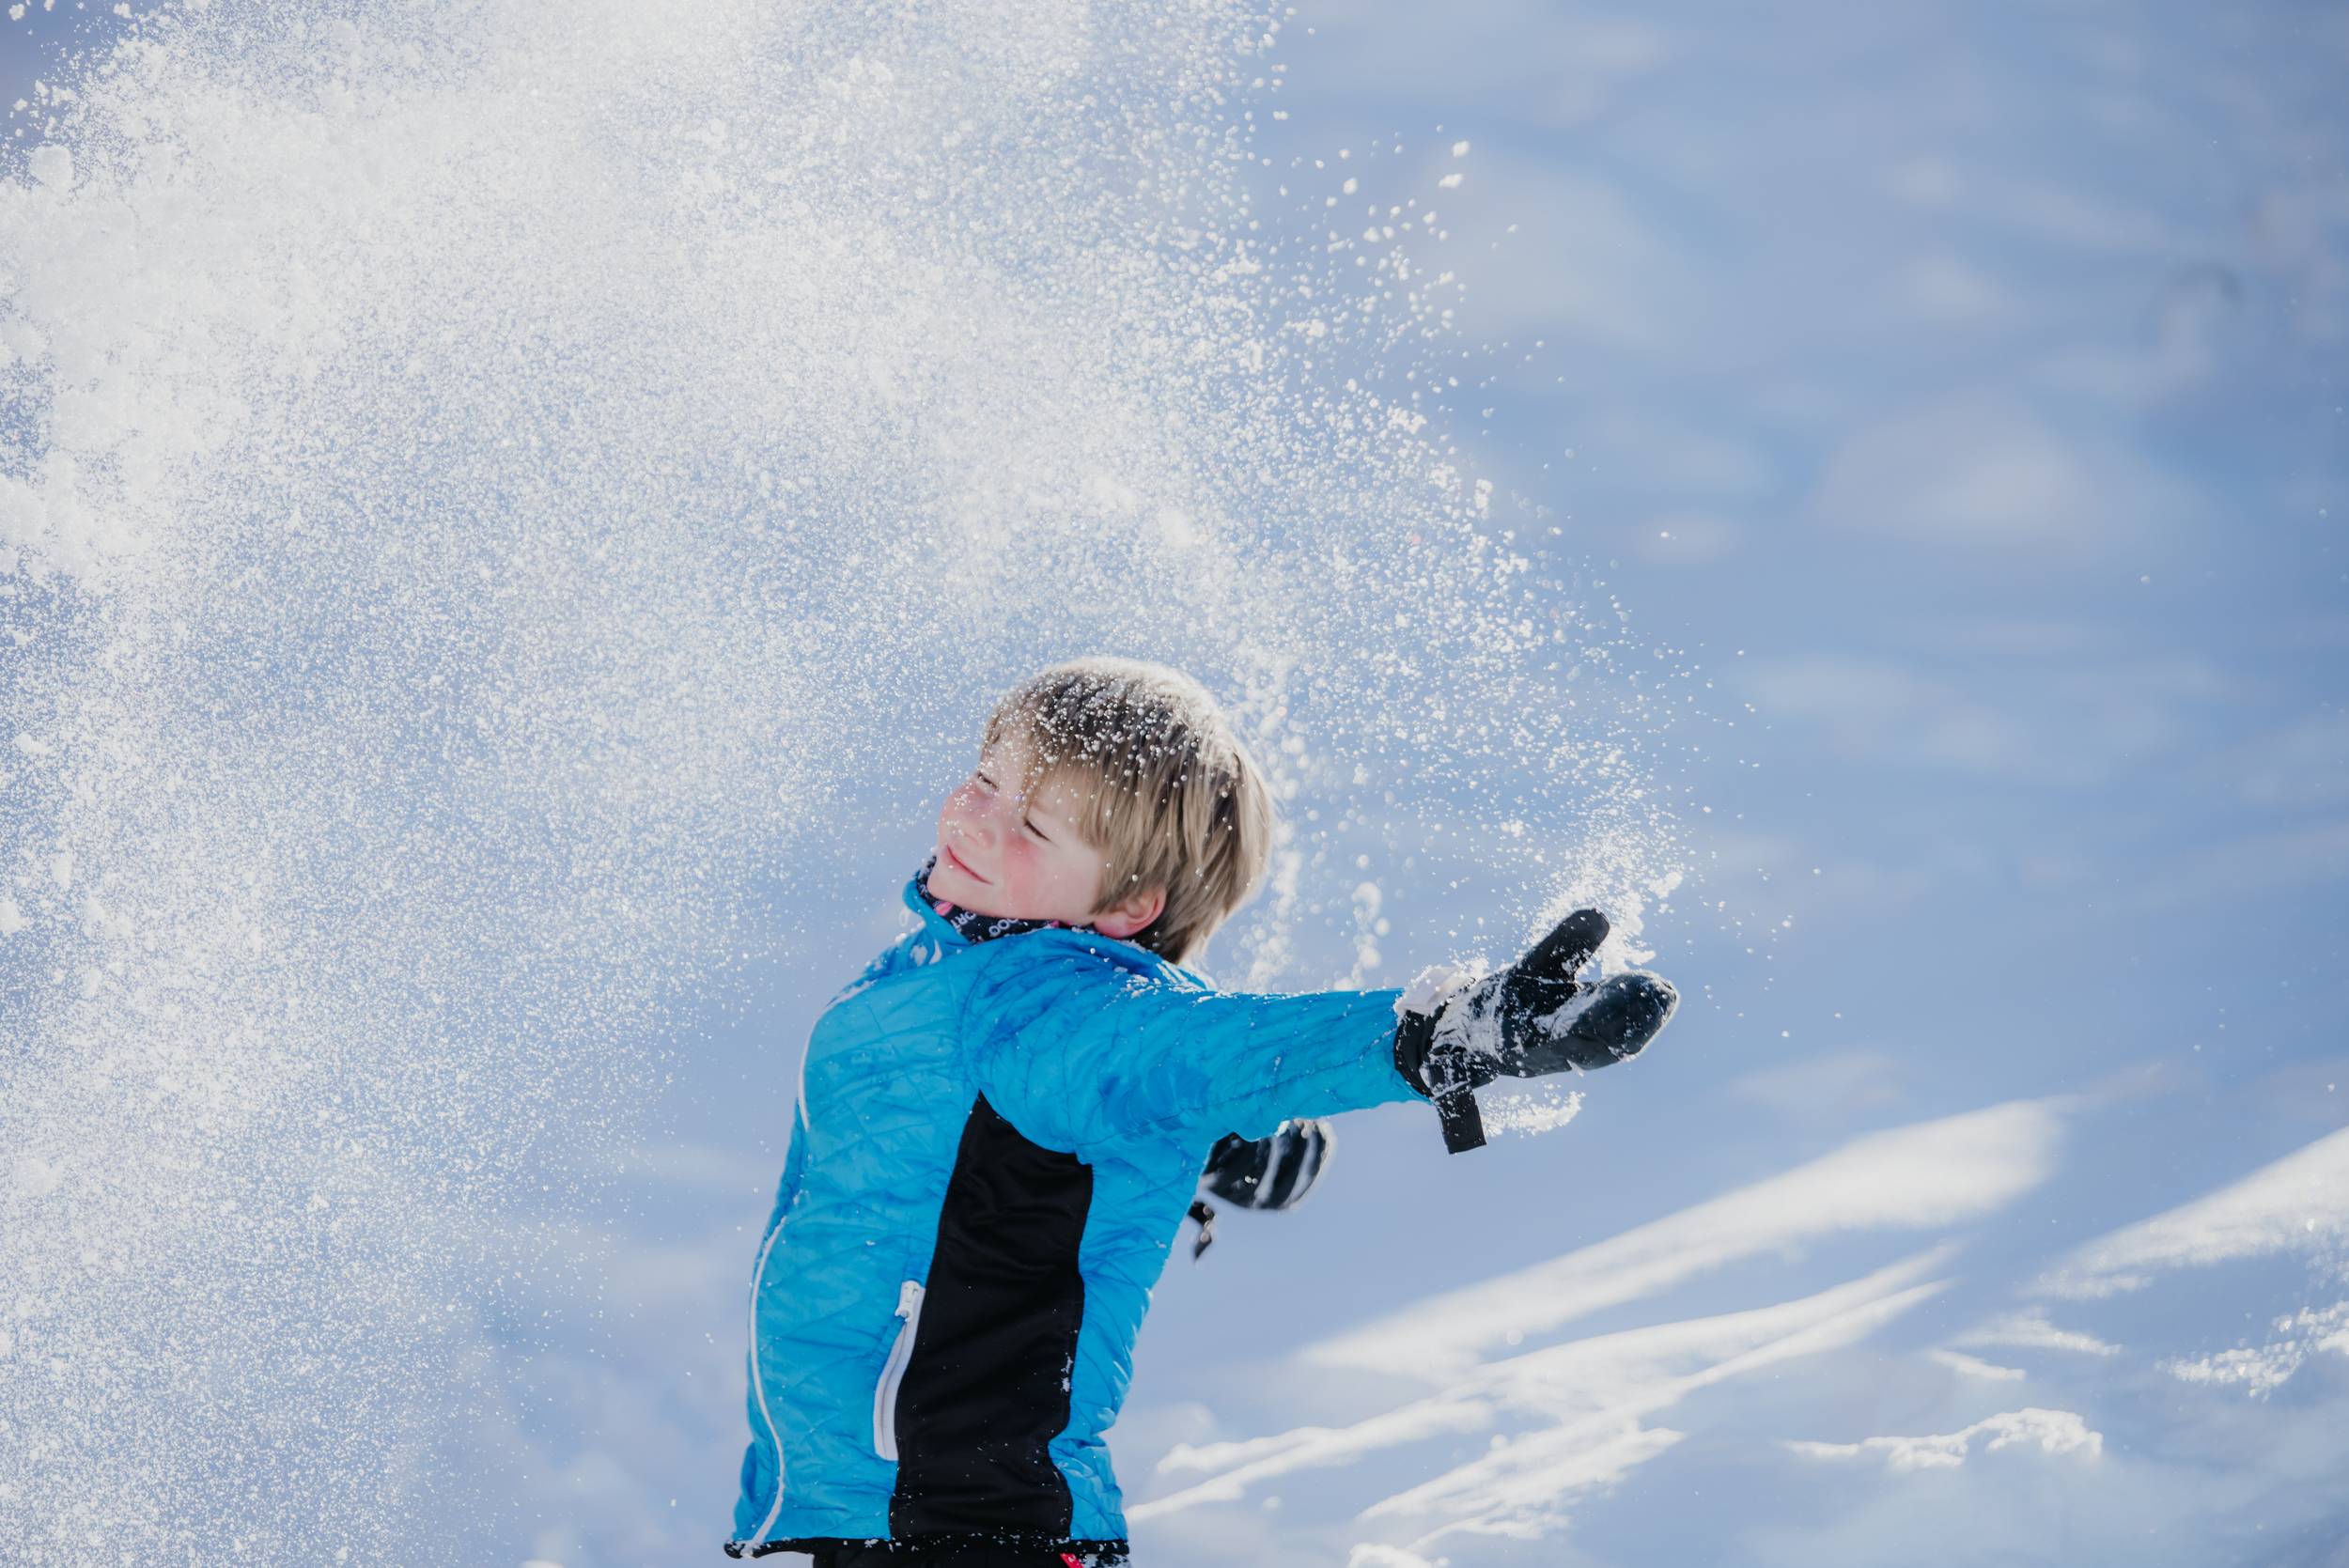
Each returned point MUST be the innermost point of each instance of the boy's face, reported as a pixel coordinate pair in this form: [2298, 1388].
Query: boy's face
[1000, 852]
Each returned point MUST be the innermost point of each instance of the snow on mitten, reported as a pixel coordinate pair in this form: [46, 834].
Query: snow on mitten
[1458, 1029]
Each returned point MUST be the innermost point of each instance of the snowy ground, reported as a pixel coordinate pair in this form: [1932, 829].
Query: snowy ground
[1949, 398]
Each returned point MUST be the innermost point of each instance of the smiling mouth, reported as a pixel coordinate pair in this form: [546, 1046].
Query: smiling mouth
[956, 860]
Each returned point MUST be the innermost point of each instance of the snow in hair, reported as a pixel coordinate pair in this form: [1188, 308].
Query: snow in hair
[1168, 796]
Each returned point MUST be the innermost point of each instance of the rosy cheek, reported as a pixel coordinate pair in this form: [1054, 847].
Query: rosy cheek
[1019, 860]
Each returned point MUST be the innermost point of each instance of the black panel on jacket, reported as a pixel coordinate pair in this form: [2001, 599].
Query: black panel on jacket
[986, 1388]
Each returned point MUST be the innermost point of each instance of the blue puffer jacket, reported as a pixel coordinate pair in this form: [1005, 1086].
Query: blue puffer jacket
[994, 1150]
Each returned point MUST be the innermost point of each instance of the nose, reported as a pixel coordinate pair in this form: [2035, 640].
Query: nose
[974, 818]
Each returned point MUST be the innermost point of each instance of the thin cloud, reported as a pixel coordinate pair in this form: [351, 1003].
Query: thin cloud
[1519, 1489]
[1836, 1088]
[1370, 1555]
[2051, 1431]
[2305, 765]
[1921, 1177]
[2255, 867]
[2299, 1204]
[1592, 1393]
[1988, 473]
[2030, 1330]
[1973, 1366]
[2087, 725]
[2260, 1370]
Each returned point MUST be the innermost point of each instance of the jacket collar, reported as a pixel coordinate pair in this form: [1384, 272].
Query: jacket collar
[933, 924]
[966, 927]
[937, 928]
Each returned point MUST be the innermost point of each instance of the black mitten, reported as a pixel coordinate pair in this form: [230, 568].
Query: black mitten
[1269, 1173]
[1272, 1172]
[1457, 1033]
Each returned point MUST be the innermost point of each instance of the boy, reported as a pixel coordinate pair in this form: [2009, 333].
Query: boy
[1002, 1123]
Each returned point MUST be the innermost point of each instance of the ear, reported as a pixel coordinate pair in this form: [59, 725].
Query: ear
[1130, 914]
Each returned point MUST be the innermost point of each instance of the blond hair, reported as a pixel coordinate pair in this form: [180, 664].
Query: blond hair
[1168, 795]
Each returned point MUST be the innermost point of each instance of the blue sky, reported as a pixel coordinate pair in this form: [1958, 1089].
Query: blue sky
[1958, 392]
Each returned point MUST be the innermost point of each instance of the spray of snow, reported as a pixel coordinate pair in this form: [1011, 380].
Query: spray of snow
[478, 482]
[1541, 1107]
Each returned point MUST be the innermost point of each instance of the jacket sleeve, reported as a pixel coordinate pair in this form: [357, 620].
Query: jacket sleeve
[1096, 1052]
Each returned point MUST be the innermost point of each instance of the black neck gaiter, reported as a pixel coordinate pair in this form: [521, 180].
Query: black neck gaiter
[972, 926]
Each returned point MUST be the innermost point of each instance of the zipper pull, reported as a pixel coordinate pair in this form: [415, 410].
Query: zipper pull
[909, 1297]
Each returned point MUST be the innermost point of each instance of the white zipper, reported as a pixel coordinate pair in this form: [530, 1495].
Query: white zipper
[893, 1372]
[758, 1279]
[758, 1385]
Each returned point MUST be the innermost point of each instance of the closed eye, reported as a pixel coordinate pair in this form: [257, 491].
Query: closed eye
[1036, 830]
